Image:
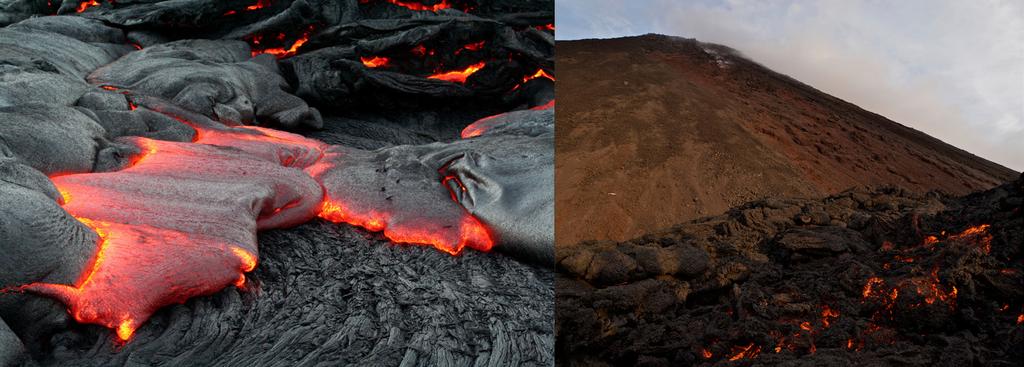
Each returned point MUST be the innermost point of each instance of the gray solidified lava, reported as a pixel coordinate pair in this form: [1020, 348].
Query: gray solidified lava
[327, 294]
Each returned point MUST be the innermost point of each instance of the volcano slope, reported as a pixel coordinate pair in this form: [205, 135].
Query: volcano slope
[657, 130]
[883, 277]
[133, 184]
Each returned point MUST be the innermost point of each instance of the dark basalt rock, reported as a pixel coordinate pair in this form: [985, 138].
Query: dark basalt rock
[768, 289]
[218, 79]
[51, 139]
[824, 241]
[40, 243]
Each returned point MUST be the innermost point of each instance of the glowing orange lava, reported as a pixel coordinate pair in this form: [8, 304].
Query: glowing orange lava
[477, 128]
[481, 126]
[179, 222]
[421, 51]
[472, 233]
[476, 46]
[459, 76]
[739, 352]
[539, 74]
[412, 5]
[706, 353]
[247, 259]
[827, 315]
[124, 330]
[86, 5]
[870, 287]
[375, 61]
[260, 4]
[281, 52]
[977, 234]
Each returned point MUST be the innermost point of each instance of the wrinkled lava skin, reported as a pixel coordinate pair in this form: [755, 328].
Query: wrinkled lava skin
[180, 222]
[155, 194]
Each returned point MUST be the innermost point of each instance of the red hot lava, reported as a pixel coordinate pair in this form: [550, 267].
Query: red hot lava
[282, 52]
[82, 6]
[412, 5]
[260, 4]
[458, 76]
[539, 74]
[749, 352]
[180, 223]
[482, 125]
[375, 61]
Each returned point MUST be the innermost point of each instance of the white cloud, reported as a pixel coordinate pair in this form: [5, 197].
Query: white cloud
[953, 69]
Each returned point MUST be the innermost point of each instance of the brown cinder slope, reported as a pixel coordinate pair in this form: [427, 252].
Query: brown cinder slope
[656, 130]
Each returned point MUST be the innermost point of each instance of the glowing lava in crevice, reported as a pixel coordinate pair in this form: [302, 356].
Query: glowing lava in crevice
[481, 126]
[539, 74]
[413, 5]
[374, 61]
[86, 4]
[458, 76]
[750, 351]
[260, 4]
[472, 233]
[475, 46]
[283, 52]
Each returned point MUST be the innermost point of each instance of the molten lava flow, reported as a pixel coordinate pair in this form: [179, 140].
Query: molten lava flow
[976, 234]
[706, 353]
[472, 233]
[546, 27]
[546, 106]
[870, 288]
[539, 74]
[749, 352]
[180, 220]
[477, 128]
[459, 76]
[476, 46]
[931, 289]
[482, 125]
[86, 5]
[421, 51]
[827, 315]
[412, 5]
[260, 4]
[281, 52]
[375, 61]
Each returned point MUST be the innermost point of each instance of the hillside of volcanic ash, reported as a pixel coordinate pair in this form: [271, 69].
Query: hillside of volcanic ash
[657, 130]
[870, 278]
[406, 217]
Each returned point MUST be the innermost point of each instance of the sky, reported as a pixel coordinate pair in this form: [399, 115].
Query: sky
[952, 69]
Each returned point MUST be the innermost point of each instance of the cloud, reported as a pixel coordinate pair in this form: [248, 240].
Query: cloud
[953, 69]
